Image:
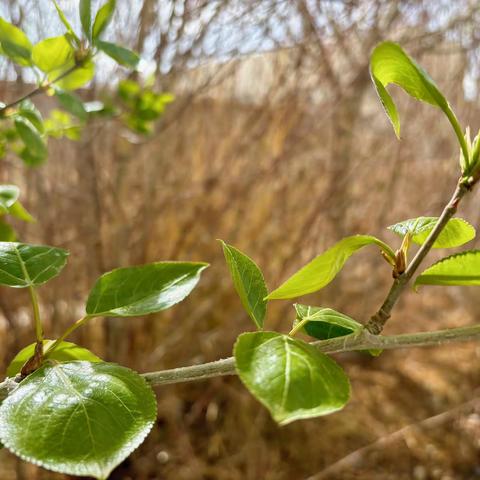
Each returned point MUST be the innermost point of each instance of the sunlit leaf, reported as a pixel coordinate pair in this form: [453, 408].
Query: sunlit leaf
[249, 283]
[17, 210]
[78, 418]
[76, 78]
[15, 44]
[459, 269]
[324, 268]
[135, 291]
[103, 17]
[52, 53]
[66, 23]
[65, 352]
[23, 265]
[85, 10]
[290, 377]
[455, 233]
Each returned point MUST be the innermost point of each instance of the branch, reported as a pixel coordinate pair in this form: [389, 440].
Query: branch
[361, 341]
[377, 322]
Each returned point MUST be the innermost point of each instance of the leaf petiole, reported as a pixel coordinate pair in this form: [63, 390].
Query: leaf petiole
[67, 332]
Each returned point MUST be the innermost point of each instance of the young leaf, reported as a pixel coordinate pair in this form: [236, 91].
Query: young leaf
[85, 10]
[8, 196]
[390, 64]
[459, 269]
[52, 53]
[31, 138]
[17, 210]
[78, 418]
[66, 23]
[249, 283]
[324, 323]
[103, 17]
[136, 291]
[71, 103]
[290, 377]
[75, 79]
[15, 44]
[323, 269]
[121, 55]
[457, 231]
[65, 352]
[23, 265]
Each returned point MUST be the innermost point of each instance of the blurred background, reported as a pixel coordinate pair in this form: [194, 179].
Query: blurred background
[277, 144]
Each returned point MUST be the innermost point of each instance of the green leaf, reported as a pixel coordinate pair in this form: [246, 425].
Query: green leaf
[249, 283]
[459, 269]
[71, 103]
[30, 158]
[290, 377]
[136, 291]
[85, 9]
[52, 53]
[8, 196]
[17, 210]
[121, 55]
[103, 18]
[323, 269]
[66, 23]
[324, 323]
[15, 44]
[390, 64]
[23, 265]
[65, 352]
[7, 233]
[455, 233]
[29, 111]
[31, 138]
[75, 79]
[78, 418]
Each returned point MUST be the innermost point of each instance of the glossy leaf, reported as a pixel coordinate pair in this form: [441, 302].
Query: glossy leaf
[71, 103]
[459, 269]
[23, 265]
[455, 233]
[324, 323]
[78, 418]
[31, 138]
[390, 64]
[290, 377]
[52, 53]
[249, 283]
[121, 55]
[65, 352]
[135, 291]
[75, 79]
[324, 268]
[103, 18]
[8, 196]
[85, 10]
[15, 44]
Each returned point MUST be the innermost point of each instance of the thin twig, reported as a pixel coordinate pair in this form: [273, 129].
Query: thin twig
[354, 458]
[377, 322]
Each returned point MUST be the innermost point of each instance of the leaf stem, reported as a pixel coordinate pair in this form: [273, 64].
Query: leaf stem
[67, 332]
[377, 321]
[298, 327]
[460, 136]
[36, 314]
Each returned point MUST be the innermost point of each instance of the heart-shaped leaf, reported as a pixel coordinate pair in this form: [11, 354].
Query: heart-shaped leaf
[78, 418]
[65, 352]
[290, 377]
[456, 232]
[249, 283]
[324, 268]
[23, 265]
[135, 291]
[459, 269]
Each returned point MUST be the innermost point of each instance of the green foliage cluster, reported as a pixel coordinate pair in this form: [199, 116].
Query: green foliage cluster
[99, 412]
